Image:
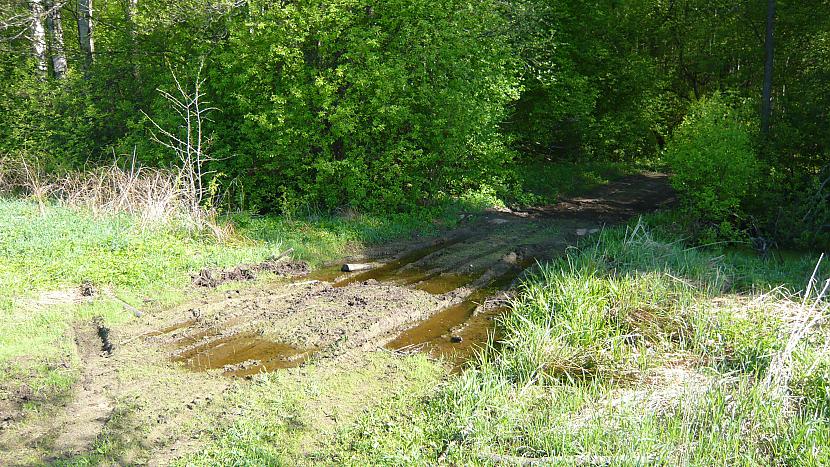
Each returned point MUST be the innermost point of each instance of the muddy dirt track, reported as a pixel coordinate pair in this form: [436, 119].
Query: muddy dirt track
[441, 297]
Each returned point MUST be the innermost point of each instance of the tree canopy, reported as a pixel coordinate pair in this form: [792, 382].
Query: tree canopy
[386, 105]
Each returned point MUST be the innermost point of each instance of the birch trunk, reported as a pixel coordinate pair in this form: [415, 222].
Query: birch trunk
[38, 37]
[56, 37]
[85, 25]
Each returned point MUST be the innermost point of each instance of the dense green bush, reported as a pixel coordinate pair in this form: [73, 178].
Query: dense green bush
[712, 157]
[50, 122]
[336, 103]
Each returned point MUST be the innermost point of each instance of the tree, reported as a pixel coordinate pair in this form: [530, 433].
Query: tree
[85, 40]
[38, 37]
[766, 106]
[53, 20]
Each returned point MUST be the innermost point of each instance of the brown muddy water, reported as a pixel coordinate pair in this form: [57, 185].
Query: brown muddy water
[391, 271]
[453, 332]
[243, 355]
[457, 332]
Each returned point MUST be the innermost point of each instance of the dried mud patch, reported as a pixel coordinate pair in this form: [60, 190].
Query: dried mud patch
[84, 293]
[75, 428]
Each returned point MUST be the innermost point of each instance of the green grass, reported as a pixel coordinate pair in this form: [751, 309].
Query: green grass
[284, 419]
[632, 345]
[579, 372]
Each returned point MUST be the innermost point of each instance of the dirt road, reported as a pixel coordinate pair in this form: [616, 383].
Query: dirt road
[441, 297]
[160, 374]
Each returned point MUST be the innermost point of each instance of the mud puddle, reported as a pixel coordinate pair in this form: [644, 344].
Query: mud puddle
[389, 271]
[457, 332]
[243, 355]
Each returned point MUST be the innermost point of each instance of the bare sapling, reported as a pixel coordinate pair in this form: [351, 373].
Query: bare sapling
[39, 189]
[189, 142]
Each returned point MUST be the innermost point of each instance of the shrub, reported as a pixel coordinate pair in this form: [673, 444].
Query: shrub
[340, 104]
[713, 161]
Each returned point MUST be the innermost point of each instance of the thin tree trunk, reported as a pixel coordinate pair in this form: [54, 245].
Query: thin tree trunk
[766, 104]
[56, 37]
[132, 11]
[85, 25]
[38, 37]
[132, 7]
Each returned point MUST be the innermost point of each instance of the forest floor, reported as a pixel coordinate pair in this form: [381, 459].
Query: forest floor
[298, 367]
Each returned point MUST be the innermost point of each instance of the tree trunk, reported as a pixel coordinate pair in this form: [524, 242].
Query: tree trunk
[766, 104]
[56, 37]
[38, 37]
[132, 11]
[85, 30]
[132, 6]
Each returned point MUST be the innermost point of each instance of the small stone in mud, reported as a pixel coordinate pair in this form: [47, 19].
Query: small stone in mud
[456, 339]
[511, 258]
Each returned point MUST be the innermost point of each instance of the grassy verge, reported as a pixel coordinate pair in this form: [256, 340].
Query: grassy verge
[627, 351]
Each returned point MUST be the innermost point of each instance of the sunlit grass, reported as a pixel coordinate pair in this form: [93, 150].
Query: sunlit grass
[631, 349]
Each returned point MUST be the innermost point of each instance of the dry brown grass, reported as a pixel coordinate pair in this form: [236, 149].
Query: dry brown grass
[804, 319]
[153, 196]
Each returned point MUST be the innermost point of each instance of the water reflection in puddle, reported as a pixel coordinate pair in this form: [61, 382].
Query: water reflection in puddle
[388, 271]
[443, 283]
[456, 332]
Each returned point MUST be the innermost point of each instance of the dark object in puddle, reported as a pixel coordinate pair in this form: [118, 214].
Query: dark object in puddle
[243, 355]
[456, 339]
[355, 267]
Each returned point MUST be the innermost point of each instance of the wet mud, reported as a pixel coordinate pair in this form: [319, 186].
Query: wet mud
[243, 355]
[248, 272]
[442, 298]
